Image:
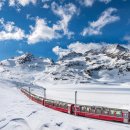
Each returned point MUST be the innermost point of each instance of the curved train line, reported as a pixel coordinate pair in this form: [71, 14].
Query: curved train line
[96, 112]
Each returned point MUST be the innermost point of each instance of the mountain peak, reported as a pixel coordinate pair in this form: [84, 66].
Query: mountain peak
[71, 55]
[25, 58]
[115, 49]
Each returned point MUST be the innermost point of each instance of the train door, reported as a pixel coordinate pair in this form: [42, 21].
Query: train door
[70, 109]
[43, 103]
[126, 116]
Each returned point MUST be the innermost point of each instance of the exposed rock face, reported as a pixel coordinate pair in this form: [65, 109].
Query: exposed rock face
[118, 51]
[70, 56]
[25, 58]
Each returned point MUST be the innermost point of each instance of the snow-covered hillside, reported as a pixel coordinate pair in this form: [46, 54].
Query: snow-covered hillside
[101, 77]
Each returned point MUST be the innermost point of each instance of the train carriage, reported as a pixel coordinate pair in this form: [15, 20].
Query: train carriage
[26, 92]
[102, 113]
[33, 97]
[37, 99]
[59, 105]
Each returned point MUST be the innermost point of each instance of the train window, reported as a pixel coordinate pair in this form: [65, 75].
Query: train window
[112, 112]
[119, 113]
[46, 101]
[82, 108]
[65, 105]
[126, 115]
[61, 104]
[92, 109]
[36, 97]
[49, 102]
[88, 109]
[40, 98]
[105, 111]
[98, 110]
[56, 103]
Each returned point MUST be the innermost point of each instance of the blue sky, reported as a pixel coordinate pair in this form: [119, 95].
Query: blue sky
[43, 27]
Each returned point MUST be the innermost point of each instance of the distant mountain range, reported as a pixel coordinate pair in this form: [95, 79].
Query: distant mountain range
[110, 63]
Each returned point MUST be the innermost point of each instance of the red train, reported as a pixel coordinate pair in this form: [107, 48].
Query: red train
[96, 112]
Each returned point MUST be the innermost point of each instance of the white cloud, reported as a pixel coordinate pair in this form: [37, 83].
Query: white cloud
[65, 13]
[21, 2]
[46, 6]
[29, 17]
[2, 2]
[42, 32]
[127, 38]
[80, 47]
[9, 31]
[20, 52]
[77, 47]
[89, 3]
[106, 18]
[106, 1]
[60, 52]
[45, 1]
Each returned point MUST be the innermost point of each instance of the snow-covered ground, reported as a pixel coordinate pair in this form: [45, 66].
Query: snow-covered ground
[17, 112]
[110, 95]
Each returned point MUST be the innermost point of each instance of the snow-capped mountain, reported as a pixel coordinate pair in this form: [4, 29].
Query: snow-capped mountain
[111, 63]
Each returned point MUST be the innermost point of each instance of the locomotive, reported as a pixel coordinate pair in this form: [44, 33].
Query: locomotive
[96, 112]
